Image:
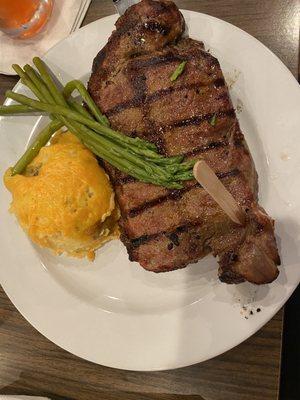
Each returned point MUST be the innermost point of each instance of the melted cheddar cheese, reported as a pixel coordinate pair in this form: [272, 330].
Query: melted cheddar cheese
[64, 200]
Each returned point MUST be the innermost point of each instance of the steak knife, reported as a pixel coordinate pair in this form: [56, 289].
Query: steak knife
[122, 5]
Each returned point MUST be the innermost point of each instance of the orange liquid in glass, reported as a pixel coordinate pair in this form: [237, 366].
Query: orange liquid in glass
[15, 14]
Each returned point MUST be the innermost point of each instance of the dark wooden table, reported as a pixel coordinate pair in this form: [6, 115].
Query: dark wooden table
[30, 364]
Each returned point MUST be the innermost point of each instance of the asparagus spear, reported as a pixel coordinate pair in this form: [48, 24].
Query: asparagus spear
[57, 109]
[54, 109]
[43, 94]
[69, 88]
[25, 80]
[76, 84]
[153, 170]
[32, 80]
[59, 98]
[15, 109]
[32, 151]
[162, 174]
[134, 156]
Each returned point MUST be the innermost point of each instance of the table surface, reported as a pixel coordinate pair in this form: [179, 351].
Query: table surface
[31, 364]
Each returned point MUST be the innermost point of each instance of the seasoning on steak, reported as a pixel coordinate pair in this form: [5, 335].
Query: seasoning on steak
[167, 229]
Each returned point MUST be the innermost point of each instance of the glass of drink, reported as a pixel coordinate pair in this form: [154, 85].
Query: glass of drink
[23, 19]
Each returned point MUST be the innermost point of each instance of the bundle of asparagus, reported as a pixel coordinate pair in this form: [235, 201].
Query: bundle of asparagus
[133, 156]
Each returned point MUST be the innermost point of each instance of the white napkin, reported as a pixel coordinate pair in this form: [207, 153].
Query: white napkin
[66, 17]
[82, 11]
[11, 397]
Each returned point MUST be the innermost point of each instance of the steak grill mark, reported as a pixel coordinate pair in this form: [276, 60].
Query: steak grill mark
[140, 99]
[174, 195]
[135, 243]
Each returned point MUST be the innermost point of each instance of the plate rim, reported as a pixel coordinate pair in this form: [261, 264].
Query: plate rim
[225, 348]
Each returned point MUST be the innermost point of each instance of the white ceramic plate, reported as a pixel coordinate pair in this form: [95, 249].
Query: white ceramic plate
[113, 312]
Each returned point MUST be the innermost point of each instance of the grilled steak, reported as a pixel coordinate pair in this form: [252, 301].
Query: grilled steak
[168, 229]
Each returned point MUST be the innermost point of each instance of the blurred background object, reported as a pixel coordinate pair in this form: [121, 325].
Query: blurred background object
[24, 19]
